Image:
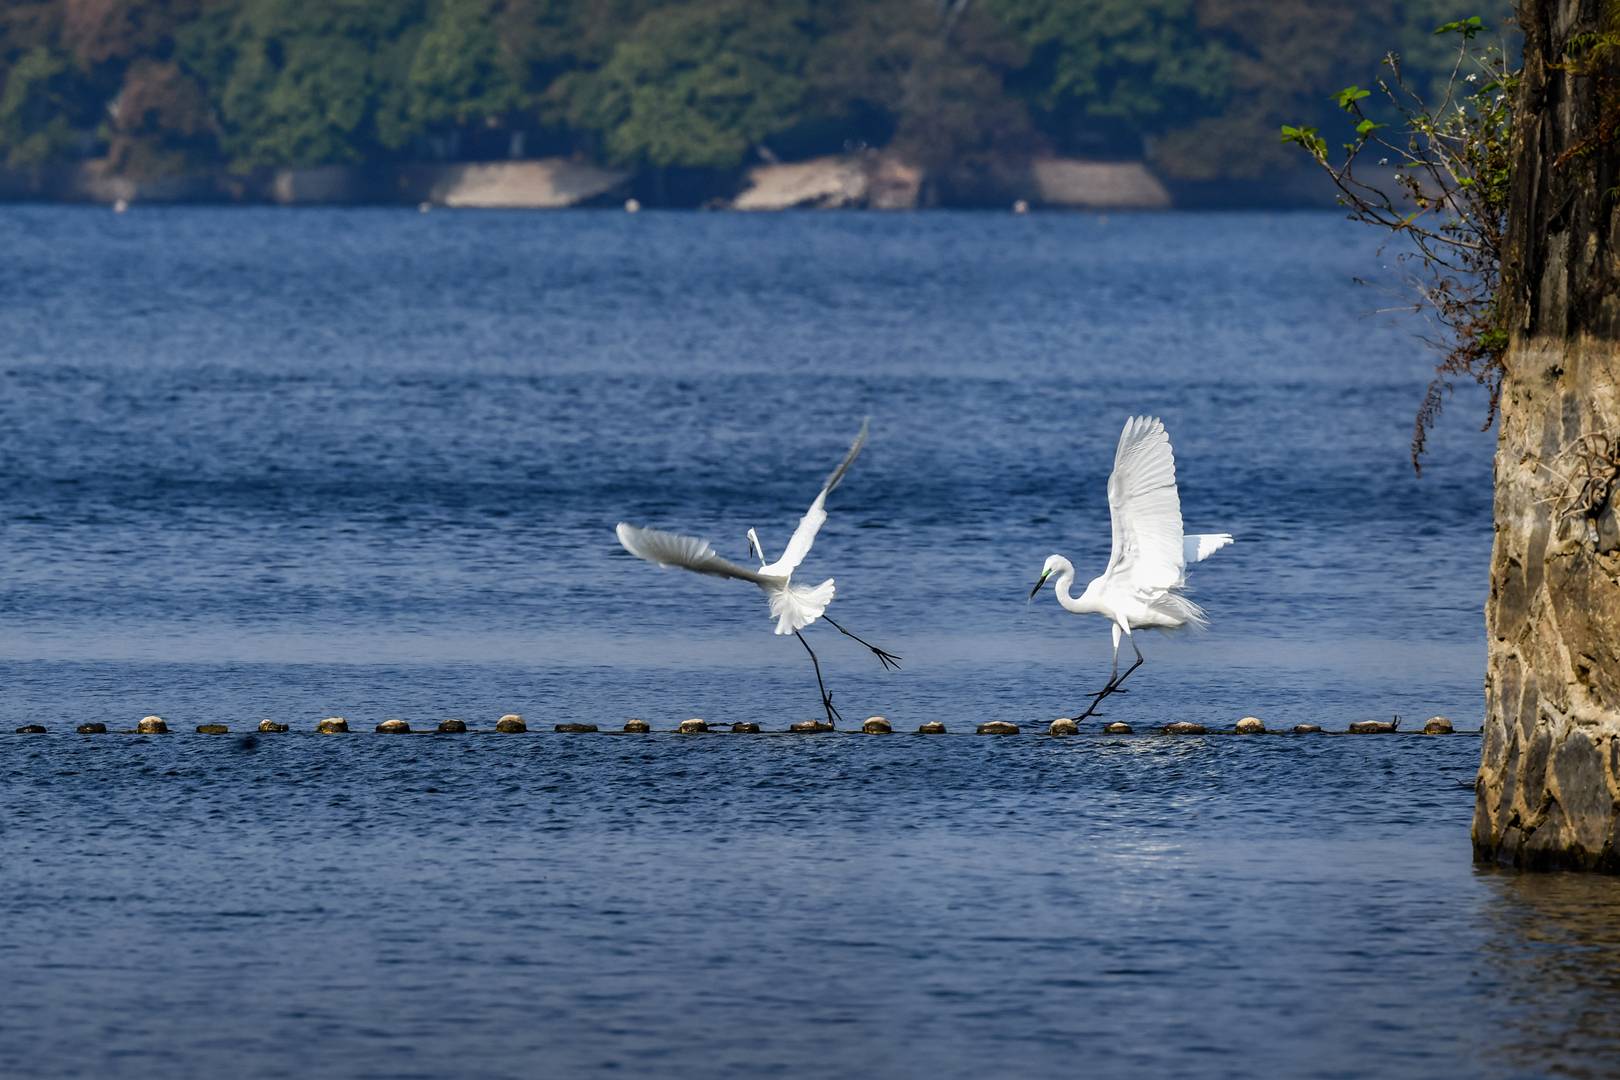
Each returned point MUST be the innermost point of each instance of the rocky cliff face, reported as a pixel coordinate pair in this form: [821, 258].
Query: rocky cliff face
[1548, 791]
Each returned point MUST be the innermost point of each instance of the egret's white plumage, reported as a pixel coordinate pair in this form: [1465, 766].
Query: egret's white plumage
[1143, 586]
[794, 607]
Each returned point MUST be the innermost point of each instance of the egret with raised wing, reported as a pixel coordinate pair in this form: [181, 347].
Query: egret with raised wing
[1144, 586]
[794, 607]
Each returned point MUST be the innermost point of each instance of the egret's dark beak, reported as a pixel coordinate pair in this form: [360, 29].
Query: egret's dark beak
[1038, 584]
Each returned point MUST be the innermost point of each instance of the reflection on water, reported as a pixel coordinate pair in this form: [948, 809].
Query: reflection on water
[1553, 957]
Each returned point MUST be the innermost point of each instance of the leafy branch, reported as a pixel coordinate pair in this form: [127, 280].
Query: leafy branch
[1440, 186]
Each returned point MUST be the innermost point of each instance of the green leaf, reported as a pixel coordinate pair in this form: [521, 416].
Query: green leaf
[1348, 97]
[1367, 127]
[1469, 28]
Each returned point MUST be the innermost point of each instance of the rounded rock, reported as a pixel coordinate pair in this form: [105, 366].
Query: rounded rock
[574, 729]
[1437, 725]
[1307, 729]
[692, 727]
[393, 727]
[1063, 726]
[805, 727]
[933, 727]
[1118, 727]
[151, 725]
[31, 729]
[452, 727]
[1185, 727]
[637, 727]
[745, 728]
[213, 729]
[511, 724]
[92, 729]
[1250, 725]
[877, 725]
[333, 725]
[998, 727]
[1372, 727]
[270, 727]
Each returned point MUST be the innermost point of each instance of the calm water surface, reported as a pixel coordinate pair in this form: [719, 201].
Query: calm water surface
[367, 463]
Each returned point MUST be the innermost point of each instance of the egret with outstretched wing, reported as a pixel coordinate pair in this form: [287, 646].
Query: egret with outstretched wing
[794, 607]
[1144, 584]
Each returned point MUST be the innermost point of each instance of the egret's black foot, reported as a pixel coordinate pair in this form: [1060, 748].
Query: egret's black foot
[833, 715]
[887, 659]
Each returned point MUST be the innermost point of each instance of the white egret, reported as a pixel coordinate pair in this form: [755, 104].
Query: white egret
[794, 607]
[1145, 582]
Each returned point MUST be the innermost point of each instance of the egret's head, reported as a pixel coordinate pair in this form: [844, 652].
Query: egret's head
[1054, 563]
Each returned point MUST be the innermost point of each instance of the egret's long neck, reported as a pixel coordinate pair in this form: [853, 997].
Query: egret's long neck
[1065, 582]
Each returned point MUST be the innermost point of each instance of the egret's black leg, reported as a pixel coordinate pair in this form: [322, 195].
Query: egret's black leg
[826, 699]
[887, 659]
[1133, 667]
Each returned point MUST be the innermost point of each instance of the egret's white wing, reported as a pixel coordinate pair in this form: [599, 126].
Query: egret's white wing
[805, 535]
[686, 552]
[1148, 554]
[1199, 547]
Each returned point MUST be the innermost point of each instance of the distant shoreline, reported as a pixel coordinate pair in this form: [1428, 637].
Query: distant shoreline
[872, 181]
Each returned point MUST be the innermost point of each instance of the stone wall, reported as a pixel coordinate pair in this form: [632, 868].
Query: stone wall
[1548, 790]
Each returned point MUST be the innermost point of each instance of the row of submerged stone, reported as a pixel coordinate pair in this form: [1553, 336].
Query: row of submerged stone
[512, 723]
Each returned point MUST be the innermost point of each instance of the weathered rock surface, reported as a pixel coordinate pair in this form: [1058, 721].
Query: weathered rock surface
[1548, 791]
[575, 729]
[332, 725]
[31, 729]
[1184, 727]
[151, 725]
[393, 727]
[452, 727]
[821, 183]
[998, 727]
[1117, 727]
[693, 726]
[1307, 729]
[1250, 725]
[270, 727]
[1097, 185]
[1437, 725]
[1374, 727]
[637, 727]
[932, 727]
[542, 183]
[745, 727]
[1063, 726]
[213, 729]
[809, 726]
[511, 724]
[877, 725]
[92, 729]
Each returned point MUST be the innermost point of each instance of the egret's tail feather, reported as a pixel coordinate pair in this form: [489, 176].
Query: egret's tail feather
[797, 606]
[1188, 614]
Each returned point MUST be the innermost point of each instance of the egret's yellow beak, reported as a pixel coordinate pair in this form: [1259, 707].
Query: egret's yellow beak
[1044, 575]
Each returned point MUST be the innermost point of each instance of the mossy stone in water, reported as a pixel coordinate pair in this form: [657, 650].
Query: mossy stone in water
[393, 727]
[877, 725]
[511, 724]
[805, 727]
[452, 727]
[92, 729]
[270, 727]
[31, 729]
[1250, 725]
[933, 727]
[151, 725]
[692, 727]
[1063, 726]
[213, 729]
[333, 725]
[1185, 727]
[1373, 727]
[998, 727]
[575, 729]
[637, 727]
[1437, 725]
[1307, 729]
[1118, 727]
[745, 728]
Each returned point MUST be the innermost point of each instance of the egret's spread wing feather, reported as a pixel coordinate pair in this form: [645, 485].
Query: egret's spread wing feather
[686, 552]
[799, 545]
[1200, 547]
[1148, 553]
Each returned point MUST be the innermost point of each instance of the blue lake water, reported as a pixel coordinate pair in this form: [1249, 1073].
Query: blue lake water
[291, 464]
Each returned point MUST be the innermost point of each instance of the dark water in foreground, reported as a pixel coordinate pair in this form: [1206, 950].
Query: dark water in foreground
[367, 463]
